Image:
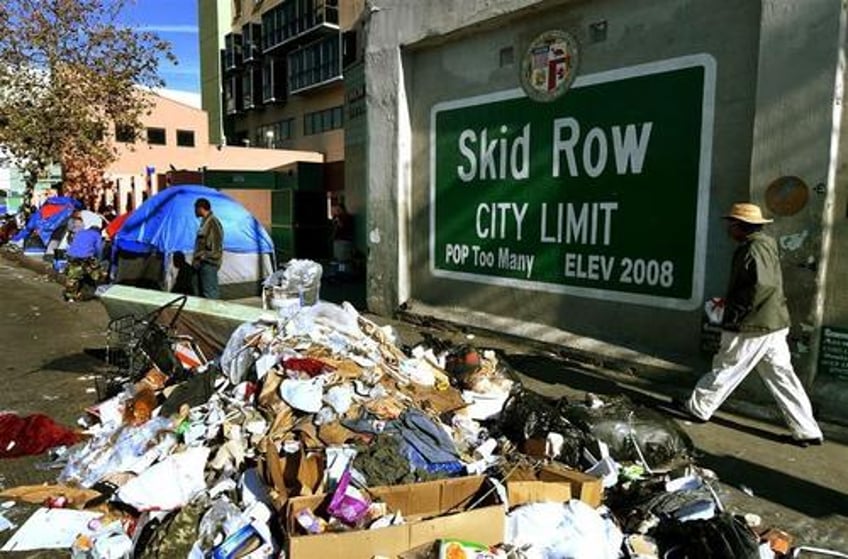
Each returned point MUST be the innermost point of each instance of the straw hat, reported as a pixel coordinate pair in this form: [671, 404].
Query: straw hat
[749, 213]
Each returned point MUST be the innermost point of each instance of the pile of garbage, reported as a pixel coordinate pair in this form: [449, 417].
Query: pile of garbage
[315, 434]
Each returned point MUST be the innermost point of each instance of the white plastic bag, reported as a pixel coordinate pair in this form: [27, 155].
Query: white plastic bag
[170, 484]
[715, 310]
[573, 530]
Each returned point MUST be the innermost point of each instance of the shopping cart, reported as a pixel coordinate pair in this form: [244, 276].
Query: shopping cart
[135, 344]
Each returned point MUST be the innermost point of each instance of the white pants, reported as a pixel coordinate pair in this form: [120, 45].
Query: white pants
[738, 355]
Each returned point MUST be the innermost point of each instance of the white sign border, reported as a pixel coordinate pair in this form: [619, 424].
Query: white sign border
[704, 174]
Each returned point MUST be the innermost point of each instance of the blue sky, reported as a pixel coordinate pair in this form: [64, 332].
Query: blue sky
[176, 22]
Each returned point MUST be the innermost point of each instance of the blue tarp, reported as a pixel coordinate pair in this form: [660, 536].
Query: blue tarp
[45, 227]
[166, 223]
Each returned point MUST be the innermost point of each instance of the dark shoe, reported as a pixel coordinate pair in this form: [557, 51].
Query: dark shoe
[680, 406]
[804, 443]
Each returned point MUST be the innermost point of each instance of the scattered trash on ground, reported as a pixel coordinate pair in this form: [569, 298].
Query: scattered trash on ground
[315, 434]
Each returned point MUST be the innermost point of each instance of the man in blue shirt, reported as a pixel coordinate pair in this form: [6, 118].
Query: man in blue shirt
[84, 268]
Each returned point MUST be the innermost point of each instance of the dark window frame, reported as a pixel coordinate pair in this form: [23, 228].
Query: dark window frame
[181, 138]
[125, 134]
[155, 129]
[325, 120]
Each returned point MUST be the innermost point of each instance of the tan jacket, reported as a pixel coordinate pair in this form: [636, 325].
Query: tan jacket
[209, 245]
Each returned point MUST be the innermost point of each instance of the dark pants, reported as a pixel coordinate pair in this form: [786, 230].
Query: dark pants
[207, 279]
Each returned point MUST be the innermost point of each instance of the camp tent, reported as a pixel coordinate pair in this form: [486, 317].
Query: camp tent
[165, 225]
[116, 224]
[48, 221]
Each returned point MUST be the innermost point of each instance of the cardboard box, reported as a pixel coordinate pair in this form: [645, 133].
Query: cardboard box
[433, 510]
[554, 483]
[588, 489]
[524, 492]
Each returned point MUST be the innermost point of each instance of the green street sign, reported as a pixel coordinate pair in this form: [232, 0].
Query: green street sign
[601, 193]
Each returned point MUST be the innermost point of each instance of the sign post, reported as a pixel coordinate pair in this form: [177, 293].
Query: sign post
[600, 193]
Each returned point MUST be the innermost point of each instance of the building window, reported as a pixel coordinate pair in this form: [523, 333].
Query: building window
[349, 52]
[272, 135]
[232, 95]
[156, 136]
[247, 90]
[268, 80]
[185, 138]
[232, 51]
[251, 37]
[124, 134]
[286, 129]
[322, 121]
[315, 64]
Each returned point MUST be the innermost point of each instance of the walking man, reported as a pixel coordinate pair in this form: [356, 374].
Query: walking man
[208, 249]
[754, 329]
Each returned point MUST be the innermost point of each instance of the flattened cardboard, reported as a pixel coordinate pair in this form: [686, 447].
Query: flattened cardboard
[422, 505]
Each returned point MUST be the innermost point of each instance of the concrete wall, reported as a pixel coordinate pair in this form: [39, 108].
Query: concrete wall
[329, 143]
[797, 118]
[452, 52]
[128, 171]
[831, 308]
[214, 17]
[777, 114]
[257, 202]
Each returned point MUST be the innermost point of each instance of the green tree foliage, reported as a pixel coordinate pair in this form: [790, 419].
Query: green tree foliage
[69, 72]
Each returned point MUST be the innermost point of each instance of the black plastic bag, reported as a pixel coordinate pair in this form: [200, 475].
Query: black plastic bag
[633, 432]
[527, 415]
[722, 537]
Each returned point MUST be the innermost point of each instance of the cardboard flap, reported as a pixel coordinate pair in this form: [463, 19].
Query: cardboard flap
[523, 492]
[462, 493]
[588, 489]
[275, 469]
[434, 510]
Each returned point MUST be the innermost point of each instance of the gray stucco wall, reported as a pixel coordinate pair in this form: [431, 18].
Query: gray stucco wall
[776, 66]
[466, 63]
[798, 112]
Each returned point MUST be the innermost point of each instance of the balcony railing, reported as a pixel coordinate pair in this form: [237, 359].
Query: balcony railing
[296, 21]
[315, 65]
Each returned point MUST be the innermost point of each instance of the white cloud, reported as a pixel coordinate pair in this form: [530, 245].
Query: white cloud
[169, 28]
[165, 69]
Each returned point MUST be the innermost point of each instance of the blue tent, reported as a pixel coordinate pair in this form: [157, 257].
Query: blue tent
[53, 214]
[165, 224]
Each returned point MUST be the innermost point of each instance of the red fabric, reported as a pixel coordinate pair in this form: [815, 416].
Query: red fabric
[113, 228]
[311, 367]
[49, 210]
[32, 434]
